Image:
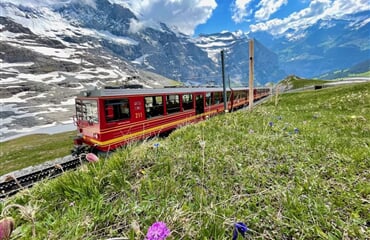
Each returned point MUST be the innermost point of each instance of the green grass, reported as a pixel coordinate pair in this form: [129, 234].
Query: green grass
[298, 170]
[365, 74]
[295, 82]
[34, 149]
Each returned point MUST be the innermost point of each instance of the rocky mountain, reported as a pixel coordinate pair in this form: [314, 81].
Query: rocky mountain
[116, 29]
[157, 48]
[328, 45]
[45, 61]
[236, 49]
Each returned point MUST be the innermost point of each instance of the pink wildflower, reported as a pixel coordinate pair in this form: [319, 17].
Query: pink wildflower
[91, 157]
[158, 231]
[6, 228]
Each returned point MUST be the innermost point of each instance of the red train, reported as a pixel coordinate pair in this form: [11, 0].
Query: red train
[109, 118]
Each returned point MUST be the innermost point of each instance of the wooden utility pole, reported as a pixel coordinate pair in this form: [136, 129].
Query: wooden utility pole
[224, 80]
[276, 94]
[251, 74]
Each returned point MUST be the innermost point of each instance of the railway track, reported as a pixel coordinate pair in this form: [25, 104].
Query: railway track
[13, 184]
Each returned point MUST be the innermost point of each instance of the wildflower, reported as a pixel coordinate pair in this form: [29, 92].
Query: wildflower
[135, 226]
[72, 204]
[251, 131]
[296, 130]
[202, 144]
[158, 231]
[241, 228]
[156, 145]
[271, 124]
[6, 228]
[91, 157]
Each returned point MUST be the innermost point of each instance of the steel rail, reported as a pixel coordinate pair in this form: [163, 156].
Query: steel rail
[12, 184]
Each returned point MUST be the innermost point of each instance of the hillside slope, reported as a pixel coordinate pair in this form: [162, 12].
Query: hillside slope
[298, 170]
[361, 69]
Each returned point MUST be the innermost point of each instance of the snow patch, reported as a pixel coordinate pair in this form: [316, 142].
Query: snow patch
[117, 39]
[17, 98]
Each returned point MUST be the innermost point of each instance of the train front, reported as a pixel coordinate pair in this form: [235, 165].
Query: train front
[87, 122]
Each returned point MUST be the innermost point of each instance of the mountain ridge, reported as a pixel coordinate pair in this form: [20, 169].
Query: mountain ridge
[329, 44]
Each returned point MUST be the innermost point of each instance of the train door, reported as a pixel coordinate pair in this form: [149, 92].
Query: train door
[199, 104]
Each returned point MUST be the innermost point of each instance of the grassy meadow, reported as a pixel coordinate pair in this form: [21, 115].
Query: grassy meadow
[298, 169]
[34, 149]
[294, 82]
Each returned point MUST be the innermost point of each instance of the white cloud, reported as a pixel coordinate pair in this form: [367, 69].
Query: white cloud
[239, 8]
[135, 26]
[268, 7]
[318, 9]
[263, 10]
[185, 15]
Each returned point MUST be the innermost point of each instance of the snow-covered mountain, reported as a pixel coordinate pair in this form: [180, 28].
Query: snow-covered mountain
[328, 45]
[46, 60]
[236, 48]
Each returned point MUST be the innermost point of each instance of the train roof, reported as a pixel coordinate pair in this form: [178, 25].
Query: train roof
[107, 92]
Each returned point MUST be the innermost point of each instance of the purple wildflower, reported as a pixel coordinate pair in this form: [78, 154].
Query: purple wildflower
[158, 231]
[241, 228]
[296, 130]
[156, 145]
[271, 124]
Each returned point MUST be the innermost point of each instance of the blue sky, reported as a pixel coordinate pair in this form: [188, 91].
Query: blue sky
[233, 15]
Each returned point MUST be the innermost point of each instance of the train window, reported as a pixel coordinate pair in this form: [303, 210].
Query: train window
[153, 106]
[187, 101]
[87, 110]
[236, 95]
[228, 96]
[244, 94]
[173, 103]
[208, 99]
[117, 109]
[218, 97]
[240, 95]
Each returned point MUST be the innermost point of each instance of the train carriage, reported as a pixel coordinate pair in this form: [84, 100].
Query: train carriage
[109, 118]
